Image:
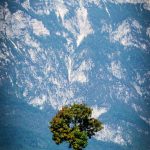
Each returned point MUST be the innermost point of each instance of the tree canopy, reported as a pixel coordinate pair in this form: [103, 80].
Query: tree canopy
[74, 125]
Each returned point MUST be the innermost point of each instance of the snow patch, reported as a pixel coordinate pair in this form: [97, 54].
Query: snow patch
[61, 10]
[109, 134]
[146, 5]
[136, 107]
[116, 69]
[96, 2]
[26, 4]
[15, 24]
[138, 89]
[147, 120]
[30, 42]
[130, 1]
[32, 54]
[38, 101]
[78, 25]
[79, 74]
[148, 32]
[38, 7]
[83, 24]
[38, 28]
[98, 111]
[125, 33]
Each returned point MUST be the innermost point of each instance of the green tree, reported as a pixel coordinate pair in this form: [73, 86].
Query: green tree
[74, 125]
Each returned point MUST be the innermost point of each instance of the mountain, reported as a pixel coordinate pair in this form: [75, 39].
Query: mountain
[57, 52]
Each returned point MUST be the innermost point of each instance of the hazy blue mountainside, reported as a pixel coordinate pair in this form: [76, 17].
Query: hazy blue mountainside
[57, 52]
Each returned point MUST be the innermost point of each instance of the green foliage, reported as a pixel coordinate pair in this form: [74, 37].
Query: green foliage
[74, 125]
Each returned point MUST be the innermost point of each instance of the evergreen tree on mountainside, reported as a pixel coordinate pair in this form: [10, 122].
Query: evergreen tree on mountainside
[74, 125]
